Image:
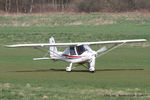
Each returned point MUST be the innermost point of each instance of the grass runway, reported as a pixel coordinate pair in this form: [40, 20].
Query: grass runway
[123, 74]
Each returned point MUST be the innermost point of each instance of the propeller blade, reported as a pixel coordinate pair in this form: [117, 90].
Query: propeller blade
[102, 49]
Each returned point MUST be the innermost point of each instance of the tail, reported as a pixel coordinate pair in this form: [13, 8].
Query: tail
[53, 50]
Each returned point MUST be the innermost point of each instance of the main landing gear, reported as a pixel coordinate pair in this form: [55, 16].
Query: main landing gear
[91, 69]
[68, 69]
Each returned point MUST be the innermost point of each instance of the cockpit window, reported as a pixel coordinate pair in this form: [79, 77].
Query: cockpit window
[72, 51]
[80, 49]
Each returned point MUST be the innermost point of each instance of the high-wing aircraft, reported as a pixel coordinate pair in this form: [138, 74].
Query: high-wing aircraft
[79, 52]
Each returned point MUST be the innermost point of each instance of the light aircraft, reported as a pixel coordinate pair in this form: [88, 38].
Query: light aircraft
[80, 52]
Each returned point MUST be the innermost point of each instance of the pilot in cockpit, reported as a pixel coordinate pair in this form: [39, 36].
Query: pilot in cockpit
[72, 51]
[80, 49]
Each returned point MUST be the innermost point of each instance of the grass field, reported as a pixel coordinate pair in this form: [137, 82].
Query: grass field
[123, 74]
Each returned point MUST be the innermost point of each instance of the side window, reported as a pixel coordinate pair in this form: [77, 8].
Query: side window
[67, 51]
[72, 51]
[80, 49]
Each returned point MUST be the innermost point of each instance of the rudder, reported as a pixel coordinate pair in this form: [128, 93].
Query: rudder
[52, 49]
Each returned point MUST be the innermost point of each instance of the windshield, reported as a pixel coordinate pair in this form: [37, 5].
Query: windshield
[80, 49]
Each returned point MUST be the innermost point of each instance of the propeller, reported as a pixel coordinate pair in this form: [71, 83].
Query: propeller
[102, 49]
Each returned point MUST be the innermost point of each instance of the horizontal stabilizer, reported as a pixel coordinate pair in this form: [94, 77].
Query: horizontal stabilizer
[41, 58]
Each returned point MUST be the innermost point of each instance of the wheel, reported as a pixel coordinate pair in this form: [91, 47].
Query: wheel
[91, 69]
[68, 69]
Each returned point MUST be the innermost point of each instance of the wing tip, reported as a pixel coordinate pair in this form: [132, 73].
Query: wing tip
[142, 40]
[12, 46]
[8, 45]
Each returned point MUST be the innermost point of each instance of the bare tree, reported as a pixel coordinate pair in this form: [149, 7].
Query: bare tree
[6, 5]
[9, 5]
[17, 6]
[31, 7]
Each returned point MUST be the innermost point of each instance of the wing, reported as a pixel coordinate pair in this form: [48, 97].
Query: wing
[77, 43]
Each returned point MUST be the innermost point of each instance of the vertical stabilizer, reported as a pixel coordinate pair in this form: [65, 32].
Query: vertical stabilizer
[52, 49]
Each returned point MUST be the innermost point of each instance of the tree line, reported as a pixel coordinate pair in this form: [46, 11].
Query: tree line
[33, 6]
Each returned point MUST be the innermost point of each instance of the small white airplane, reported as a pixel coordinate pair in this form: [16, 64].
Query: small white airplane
[79, 52]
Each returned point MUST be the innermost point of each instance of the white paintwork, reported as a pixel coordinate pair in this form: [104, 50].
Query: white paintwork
[87, 56]
[45, 58]
[76, 44]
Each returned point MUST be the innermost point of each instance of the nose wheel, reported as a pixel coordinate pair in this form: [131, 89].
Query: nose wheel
[68, 69]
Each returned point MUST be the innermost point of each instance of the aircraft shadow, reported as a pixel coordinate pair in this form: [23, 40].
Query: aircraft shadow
[97, 70]
[63, 70]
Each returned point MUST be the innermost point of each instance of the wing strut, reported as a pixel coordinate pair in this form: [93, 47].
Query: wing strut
[111, 48]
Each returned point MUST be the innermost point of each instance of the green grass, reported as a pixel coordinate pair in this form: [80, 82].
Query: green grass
[11, 35]
[18, 69]
[21, 78]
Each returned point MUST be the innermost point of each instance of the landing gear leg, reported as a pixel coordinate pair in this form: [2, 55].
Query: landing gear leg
[68, 69]
[92, 65]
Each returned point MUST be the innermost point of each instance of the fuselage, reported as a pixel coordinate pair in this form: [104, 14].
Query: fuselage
[78, 54]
